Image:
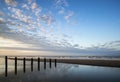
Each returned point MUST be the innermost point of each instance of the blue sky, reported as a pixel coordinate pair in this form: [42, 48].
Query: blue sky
[51, 26]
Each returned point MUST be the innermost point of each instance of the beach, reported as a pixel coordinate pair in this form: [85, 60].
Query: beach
[109, 63]
[66, 70]
[94, 62]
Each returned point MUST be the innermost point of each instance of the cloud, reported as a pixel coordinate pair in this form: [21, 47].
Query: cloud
[33, 5]
[38, 11]
[115, 45]
[25, 6]
[18, 14]
[29, 1]
[47, 18]
[1, 13]
[69, 15]
[2, 21]
[31, 24]
[40, 44]
[22, 37]
[11, 2]
[66, 36]
[76, 45]
[27, 18]
[61, 3]
[62, 7]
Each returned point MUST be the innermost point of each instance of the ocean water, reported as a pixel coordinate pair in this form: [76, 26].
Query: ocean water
[61, 73]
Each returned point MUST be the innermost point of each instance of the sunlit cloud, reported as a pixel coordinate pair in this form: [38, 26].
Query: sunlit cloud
[12, 43]
[47, 18]
[61, 3]
[33, 6]
[11, 2]
[30, 24]
[11, 52]
[25, 6]
[2, 21]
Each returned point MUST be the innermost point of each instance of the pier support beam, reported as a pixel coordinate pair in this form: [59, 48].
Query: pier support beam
[55, 62]
[44, 63]
[31, 64]
[24, 65]
[38, 64]
[15, 65]
[50, 62]
[6, 66]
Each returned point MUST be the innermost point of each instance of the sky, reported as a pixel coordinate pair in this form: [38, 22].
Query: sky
[60, 27]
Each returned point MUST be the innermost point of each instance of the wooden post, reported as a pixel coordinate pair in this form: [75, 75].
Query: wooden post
[31, 64]
[38, 64]
[50, 63]
[6, 66]
[55, 62]
[15, 65]
[44, 63]
[24, 65]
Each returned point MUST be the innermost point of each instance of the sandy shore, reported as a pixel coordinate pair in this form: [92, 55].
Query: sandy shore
[110, 63]
[107, 63]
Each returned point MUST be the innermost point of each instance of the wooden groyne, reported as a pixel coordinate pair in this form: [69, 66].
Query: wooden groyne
[32, 60]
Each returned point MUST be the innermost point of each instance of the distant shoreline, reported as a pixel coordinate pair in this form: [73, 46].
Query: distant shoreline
[106, 63]
[93, 62]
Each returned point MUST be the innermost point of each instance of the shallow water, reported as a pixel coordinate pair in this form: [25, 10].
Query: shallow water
[62, 73]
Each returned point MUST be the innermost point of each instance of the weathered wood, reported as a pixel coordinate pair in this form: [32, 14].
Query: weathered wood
[50, 62]
[44, 63]
[38, 64]
[15, 65]
[6, 66]
[24, 65]
[55, 62]
[31, 64]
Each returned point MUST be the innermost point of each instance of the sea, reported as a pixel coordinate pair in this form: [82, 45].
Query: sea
[62, 72]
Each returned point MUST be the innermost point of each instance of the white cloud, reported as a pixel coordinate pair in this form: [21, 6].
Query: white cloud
[61, 6]
[11, 2]
[2, 21]
[33, 5]
[61, 3]
[11, 43]
[47, 18]
[27, 27]
[69, 14]
[18, 14]
[25, 6]
[40, 43]
[38, 11]
[27, 22]
[50, 20]
[30, 23]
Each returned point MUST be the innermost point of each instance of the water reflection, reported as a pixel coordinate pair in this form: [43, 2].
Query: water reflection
[63, 73]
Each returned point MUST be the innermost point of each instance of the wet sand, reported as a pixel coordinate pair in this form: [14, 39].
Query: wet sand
[106, 63]
[109, 63]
